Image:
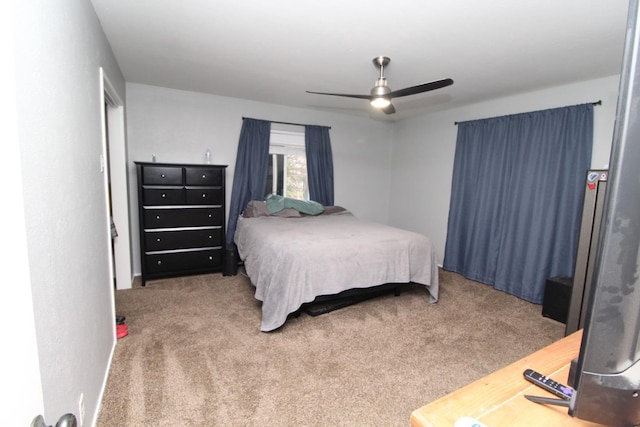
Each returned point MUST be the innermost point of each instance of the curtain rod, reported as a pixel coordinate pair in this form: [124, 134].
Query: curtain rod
[598, 102]
[285, 123]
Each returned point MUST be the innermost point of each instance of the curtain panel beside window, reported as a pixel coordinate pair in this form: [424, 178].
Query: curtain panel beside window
[516, 198]
[319, 164]
[250, 173]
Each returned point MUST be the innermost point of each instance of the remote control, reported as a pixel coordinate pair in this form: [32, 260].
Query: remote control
[548, 384]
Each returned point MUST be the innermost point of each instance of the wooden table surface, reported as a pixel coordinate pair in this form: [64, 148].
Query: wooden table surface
[498, 399]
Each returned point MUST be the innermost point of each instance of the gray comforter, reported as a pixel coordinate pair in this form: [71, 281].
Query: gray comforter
[291, 261]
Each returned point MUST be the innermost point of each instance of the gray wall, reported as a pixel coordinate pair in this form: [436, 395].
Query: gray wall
[59, 49]
[179, 126]
[424, 150]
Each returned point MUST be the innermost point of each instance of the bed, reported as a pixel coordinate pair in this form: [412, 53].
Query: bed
[292, 258]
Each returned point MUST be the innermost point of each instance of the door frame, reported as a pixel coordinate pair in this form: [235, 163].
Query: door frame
[114, 164]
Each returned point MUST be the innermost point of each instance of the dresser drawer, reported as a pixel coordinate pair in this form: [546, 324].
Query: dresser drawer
[183, 261]
[203, 176]
[161, 175]
[204, 196]
[183, 217]
[183, 239]
[163, 196]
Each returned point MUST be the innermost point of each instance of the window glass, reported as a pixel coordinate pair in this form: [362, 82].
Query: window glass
[287, 173]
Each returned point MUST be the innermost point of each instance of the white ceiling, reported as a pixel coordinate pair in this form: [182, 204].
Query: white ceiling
[273, 51]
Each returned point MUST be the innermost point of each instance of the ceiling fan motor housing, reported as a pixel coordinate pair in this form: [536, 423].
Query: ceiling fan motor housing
[380, 88]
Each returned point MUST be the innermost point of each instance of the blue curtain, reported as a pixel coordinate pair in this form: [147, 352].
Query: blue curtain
[319, 164]
[516, 198]
[250, 174]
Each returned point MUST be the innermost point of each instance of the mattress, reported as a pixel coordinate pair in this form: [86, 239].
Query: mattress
[291, 261]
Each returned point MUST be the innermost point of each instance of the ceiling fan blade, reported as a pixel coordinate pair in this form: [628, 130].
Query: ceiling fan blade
[342, 94]
[426, 87]
[389, 110]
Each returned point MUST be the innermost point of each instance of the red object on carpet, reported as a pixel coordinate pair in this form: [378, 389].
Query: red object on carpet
[122, 330]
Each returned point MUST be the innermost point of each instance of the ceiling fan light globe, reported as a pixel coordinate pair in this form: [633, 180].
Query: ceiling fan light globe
[380, 102]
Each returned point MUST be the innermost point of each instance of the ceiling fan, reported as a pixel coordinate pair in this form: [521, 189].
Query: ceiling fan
[381, 94]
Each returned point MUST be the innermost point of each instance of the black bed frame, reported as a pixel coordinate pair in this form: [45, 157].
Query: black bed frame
[327, 303]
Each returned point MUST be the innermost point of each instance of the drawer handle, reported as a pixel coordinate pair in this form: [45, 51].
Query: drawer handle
[158, 239]
[204, 176]
[204, 195]
[162, 175]
[210, 258]
[157, 216]
[211, 237]
[159, 262]
[209, 215]
[164, 195]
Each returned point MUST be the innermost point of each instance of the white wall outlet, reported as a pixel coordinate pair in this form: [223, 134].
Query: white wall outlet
[81, 410]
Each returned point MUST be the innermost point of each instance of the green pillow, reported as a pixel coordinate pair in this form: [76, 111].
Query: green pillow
[276, 203]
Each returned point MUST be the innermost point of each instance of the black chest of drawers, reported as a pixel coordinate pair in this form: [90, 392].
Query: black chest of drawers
[182, 218]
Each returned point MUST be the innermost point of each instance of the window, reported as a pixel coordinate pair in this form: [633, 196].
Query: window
[287, 174]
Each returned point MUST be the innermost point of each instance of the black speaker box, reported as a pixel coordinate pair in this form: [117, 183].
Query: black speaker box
[230, 267]
[557, 295]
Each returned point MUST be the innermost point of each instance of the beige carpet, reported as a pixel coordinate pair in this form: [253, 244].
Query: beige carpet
[195, 356]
